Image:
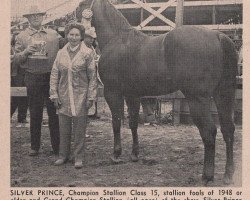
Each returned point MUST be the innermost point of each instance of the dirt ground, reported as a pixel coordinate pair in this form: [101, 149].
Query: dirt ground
[169, 156]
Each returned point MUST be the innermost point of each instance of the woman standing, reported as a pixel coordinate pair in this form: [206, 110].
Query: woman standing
[73, 87]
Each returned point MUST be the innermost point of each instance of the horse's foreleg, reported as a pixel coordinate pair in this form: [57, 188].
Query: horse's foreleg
[200, 112]
[133, 104]
[116, 104]
[224, 102]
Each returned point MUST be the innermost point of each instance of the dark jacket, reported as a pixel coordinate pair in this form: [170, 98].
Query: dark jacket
[37, 66]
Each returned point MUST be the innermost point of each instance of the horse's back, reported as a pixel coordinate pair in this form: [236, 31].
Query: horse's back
[187, 58]
[195, 56]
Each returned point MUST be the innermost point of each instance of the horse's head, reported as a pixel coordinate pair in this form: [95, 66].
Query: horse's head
[107, 21]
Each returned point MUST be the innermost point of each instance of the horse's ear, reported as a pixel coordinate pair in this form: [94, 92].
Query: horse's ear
[85, 3]
[81, 3]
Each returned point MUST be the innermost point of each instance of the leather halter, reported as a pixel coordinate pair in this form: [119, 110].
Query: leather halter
[91, 5]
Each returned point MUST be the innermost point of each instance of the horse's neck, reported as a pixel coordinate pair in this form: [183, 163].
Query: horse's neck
[107, 29]
[104, 35]
[102, 27]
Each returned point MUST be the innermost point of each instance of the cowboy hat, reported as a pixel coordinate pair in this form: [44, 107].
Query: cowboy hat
[34, 10]
[90, 32]
[87, 13]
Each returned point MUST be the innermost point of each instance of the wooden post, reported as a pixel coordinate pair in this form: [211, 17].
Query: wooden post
[176, 111]
[141, 15]
[214, 16]
[179, 13]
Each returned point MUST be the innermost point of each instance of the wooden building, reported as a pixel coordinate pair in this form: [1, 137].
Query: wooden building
[157, 16]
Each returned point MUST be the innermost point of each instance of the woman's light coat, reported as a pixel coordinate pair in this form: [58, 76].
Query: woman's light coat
[74, 81]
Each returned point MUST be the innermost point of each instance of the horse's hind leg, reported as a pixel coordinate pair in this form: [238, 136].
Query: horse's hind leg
[133, 104]
[116, 105]
[225, 102]
[200, 112]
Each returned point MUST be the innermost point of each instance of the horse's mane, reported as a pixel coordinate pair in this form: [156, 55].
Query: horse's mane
[118, 22]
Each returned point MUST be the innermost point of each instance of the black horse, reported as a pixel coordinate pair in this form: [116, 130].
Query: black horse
[201, 63]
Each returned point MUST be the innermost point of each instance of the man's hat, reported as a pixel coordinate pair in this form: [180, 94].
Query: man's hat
[91, 32]
[34, 10]
[87, 13]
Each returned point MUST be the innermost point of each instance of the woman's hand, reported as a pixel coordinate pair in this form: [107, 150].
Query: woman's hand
[89, 104]
[57, 103]
[97, 58]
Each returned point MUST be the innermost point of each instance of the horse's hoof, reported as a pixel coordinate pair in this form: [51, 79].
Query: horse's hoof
[227, 180]
[134, 158]
[207, 181]
[116, 160]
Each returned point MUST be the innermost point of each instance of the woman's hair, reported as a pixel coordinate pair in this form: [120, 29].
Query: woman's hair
[78, 26]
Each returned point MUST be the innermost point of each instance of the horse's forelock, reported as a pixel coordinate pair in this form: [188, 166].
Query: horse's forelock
[87, 2]
[82, 6]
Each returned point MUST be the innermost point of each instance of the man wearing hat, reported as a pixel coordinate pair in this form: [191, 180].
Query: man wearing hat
[89, 37]
[36, 49]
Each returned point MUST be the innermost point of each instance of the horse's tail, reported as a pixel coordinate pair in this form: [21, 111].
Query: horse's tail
[224, 97]
[229, 72]
[224, 94]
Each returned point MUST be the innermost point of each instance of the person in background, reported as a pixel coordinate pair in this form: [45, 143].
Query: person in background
[36, 49]
[73, 87]
[90, 41]
[85, 18]
[17, 80]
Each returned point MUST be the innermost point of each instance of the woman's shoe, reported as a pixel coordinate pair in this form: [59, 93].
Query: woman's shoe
[78, 164]
[60, 161]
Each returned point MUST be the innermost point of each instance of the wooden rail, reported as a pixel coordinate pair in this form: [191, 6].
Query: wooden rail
[186, 4]
[22, 92]
[180, 105]
[180, 109]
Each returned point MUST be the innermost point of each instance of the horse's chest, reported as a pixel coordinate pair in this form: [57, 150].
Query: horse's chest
[114, 62]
